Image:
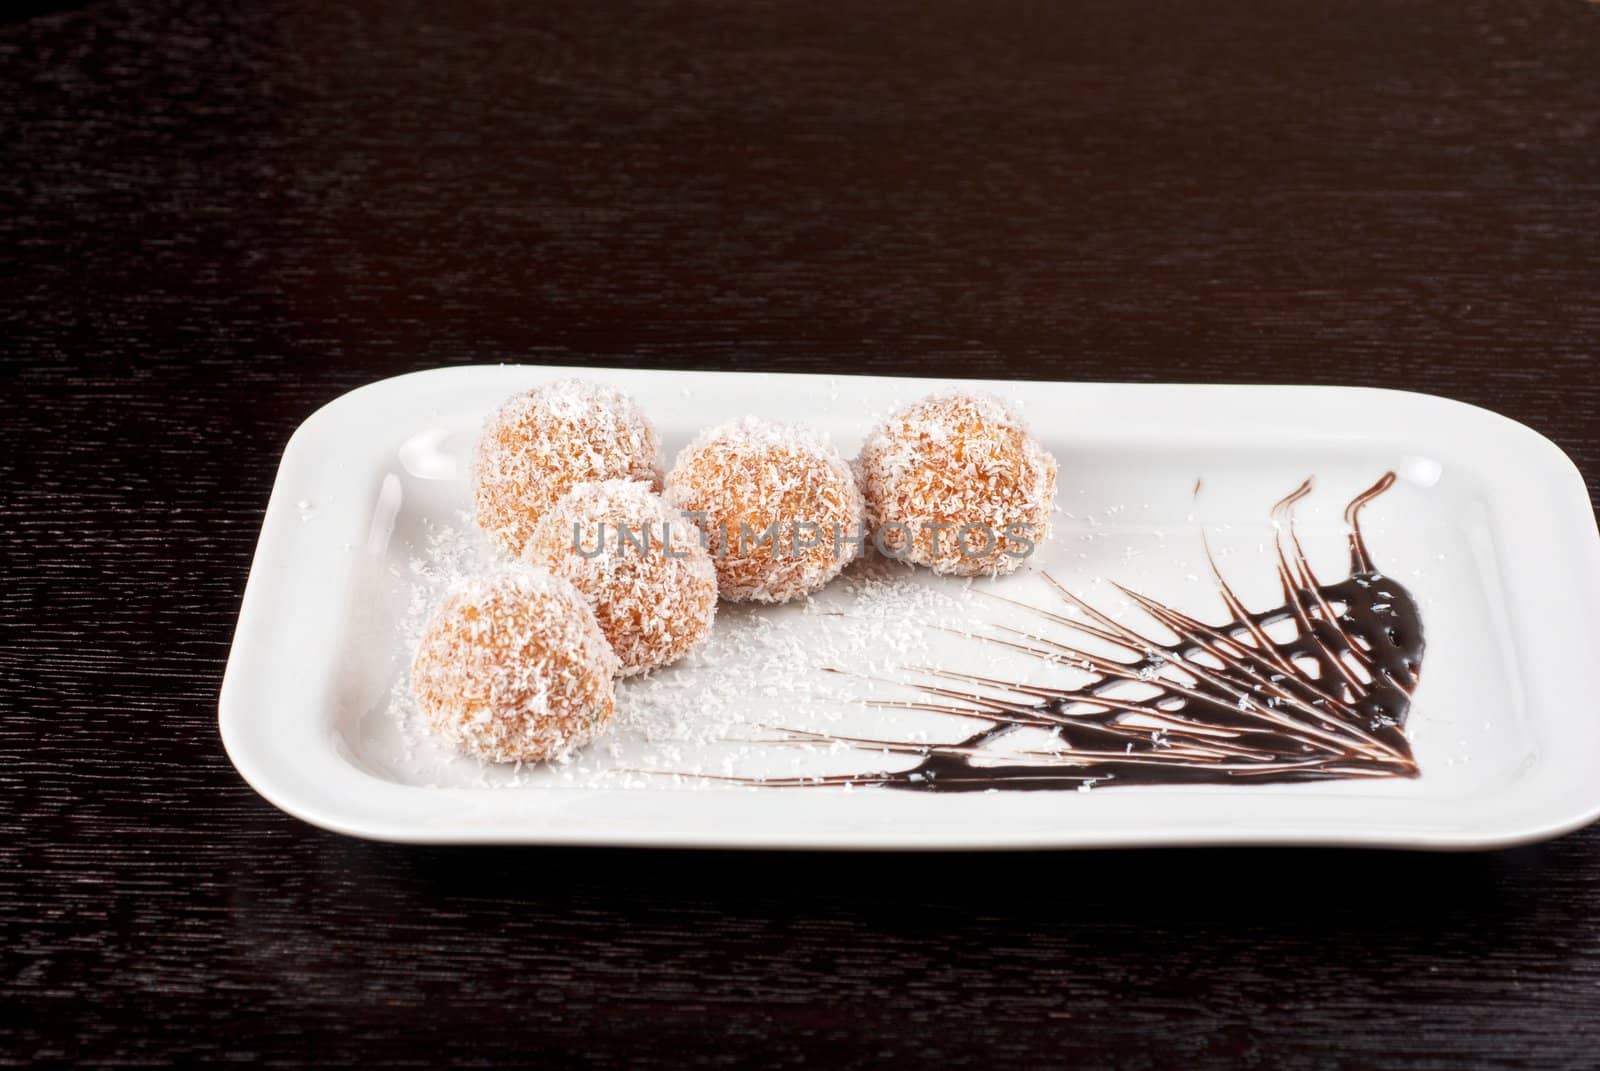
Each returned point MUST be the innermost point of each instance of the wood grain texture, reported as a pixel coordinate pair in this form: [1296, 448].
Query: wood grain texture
[215, 216]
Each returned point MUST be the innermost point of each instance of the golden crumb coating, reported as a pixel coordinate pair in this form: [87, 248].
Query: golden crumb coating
[779, 507]
[541, 443]
[514, 668]
[957, 483]
[638, 561]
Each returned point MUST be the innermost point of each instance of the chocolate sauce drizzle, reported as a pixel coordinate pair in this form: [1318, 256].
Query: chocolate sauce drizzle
[1220, 704]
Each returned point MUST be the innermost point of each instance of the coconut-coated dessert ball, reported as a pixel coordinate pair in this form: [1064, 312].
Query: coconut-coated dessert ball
[514, 668]
[638, 561]
[957, 483]
[541, 443]
[778, 506]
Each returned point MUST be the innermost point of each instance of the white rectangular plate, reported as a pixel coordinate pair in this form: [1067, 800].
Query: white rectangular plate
[1489, 526]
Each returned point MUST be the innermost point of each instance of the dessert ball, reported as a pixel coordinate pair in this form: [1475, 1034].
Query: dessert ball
[541, 443]
[514, 668]
[957, 483]
[778, 506]
[638, 561]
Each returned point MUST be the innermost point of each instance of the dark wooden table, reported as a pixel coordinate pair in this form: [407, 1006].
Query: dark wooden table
[216, 216]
